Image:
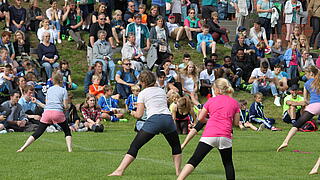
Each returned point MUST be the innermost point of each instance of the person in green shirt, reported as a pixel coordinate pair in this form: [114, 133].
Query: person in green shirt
[293, 105]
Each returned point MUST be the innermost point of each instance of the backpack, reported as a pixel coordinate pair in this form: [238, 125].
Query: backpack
[309, 126]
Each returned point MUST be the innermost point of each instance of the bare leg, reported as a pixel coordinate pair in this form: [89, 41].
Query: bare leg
[187, 169]
[291, 133]
[115, 35]
[179, 34]
[204, 48]
[251, 126]
[123, 31]
[315, 168]
[127, 160]
[188, 33]
[29, 141]
[177, 163]
[213, 47]
[69, 143]
[191, 134]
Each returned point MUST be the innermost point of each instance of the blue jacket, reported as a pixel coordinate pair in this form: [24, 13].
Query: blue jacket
[256, 111]
[288, 56]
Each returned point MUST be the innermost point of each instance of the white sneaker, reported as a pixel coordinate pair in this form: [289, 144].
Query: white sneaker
[59, 41]
[277, 101]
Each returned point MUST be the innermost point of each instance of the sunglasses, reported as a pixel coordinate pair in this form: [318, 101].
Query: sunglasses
[102, 19]
[127, 64]
[192, 12]
[131, 6]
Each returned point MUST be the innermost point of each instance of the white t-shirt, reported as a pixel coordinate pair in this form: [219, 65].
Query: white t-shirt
[188, 83]
[154, 100]
[2, 79]
[171, 27]
[257, 73]
[204, 75]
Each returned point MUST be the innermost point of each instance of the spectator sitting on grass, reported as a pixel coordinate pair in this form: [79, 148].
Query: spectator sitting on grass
[21, 46]
[207, 78]
[92, 114]
[35, 16]
[277, 52]
[244, 62]
[46, 27]
[205, 41]
[257, 115]
[189, 79]
[109, 105]
[66, 73]
[263, 81]
[214, 57]
[130, 50]
[233, 72]
[17, 17]
[97, 70]
[258, 33]
[54, 15]
[172, 80]
[240, 44]
[72, 116]
[131, 102]
[95, 88]
[32, 107]
[125, 78]
[192, 26]
[118, 27]
[304, 62]
[175, 30]
[280, 78]
[244, 117]
[4, 58]
[141, 31]
[293, 105]
[218, 32]
[102, 51]
[185, 60]
[291, 58]
[6, 43]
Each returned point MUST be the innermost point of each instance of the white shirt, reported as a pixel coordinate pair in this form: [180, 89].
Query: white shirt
[257, 73]
[49, 13]
[204, 75]
[154, 100]
[171, 27]
[188, 83]
[2, 79]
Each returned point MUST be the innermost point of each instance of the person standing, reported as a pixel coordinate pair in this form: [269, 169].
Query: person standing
[56, 103]
[218, 131]
[264, 9]
[314, 13]
[159, 120]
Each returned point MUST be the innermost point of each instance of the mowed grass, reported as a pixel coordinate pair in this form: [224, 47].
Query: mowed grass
[97, 154]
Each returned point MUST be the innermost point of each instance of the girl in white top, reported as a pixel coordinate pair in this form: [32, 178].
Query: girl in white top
[45, 27]
[189, 79]
[159, 120]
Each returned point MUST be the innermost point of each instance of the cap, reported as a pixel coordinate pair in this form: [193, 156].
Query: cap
[171, 16]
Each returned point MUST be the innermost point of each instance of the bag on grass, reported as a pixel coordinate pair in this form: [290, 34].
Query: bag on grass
[309, 126]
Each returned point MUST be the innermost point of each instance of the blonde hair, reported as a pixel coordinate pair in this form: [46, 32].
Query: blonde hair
[142, 6]
[135, 88]
[214, 14]
[41, 23]
[184, 104]
[154, 7]
[116, 12]
[19, 32]
[96, 77]
[173, 97]
[57, 78]
[306, 41]
[223, 85]
[89, 96]
[258, 94]
[194, 73]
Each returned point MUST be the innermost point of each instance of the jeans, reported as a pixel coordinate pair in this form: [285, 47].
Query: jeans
[111, 66]
[258, 88]
[292, 71]
[14, 28]
[277, 60]
[266, 23]
[123, 90]
[48, 67]
[56, 24]
[256, 41]
[316, 30]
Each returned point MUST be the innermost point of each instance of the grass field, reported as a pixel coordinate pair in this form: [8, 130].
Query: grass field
[97, 154]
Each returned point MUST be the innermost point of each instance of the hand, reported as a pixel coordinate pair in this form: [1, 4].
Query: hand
[36, 117]
[68, 8]
[270, 10]
[21, 123]
[100, 88]
[146, 48]
[72, 27]
[132, 113]
[113, 46]
[19, 26]
[2, 117]
[52, 61]
[33, 99]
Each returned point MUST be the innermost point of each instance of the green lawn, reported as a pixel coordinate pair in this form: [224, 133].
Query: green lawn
[96, 154]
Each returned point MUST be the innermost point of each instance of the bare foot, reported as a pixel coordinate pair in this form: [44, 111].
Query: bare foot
[282, 147]
[116, 173]
[20, 150]
[313, 171]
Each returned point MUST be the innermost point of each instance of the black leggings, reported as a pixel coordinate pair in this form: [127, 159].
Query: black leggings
[316, 29]
[143, 137]
[199, 126]
[182, 126]
[226, 155]
[306, 116]
[42, 127]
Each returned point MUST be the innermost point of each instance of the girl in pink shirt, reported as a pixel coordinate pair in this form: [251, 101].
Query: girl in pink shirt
[223, 111]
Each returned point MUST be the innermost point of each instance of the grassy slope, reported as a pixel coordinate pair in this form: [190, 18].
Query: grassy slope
[98, 154]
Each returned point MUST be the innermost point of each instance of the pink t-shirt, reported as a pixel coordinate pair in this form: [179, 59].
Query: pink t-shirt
[221, 109]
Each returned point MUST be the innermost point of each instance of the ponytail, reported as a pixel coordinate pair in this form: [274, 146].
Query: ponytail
[224, 86]
[315, 85]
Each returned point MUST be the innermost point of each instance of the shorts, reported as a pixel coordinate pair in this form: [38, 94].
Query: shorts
[303, 18]
[217, 142]
[52, 117]
[174, 33]
[313, 108]
[159, 123]
[207, 47]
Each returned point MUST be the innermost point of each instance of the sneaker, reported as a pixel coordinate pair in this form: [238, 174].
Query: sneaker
[192, 45]
[275, 129]
[10, 130]
[59, 41]
[3, 131]
[114, 119]
[261, 127]
[50, 129]
[85, 129]
[204, 59]
[176, 45]
[267, 50]
[227, 45]
[63, 37]
[123, 120]
[69, 39]
[277, 101]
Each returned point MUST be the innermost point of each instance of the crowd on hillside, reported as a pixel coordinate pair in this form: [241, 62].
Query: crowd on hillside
[143, 31]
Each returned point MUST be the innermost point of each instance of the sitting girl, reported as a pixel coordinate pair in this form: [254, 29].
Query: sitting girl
[118, 27]
[92, 114]
[66, 72]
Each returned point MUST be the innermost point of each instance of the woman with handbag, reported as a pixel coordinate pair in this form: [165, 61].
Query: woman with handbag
[264, 9]
[314, 12]
[292, 10]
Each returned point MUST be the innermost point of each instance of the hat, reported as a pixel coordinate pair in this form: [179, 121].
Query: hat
[171, 16]
[294, 87]
[242, 28]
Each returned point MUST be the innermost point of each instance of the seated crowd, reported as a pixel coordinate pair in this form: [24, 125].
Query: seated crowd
[144, 42]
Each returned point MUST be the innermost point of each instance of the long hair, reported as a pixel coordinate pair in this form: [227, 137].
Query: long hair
[315, 85]
[184, 104]
[148, 78]
[88, 96]
[194, 73]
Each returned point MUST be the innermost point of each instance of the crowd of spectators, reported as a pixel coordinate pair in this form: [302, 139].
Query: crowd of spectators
[142, 32]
